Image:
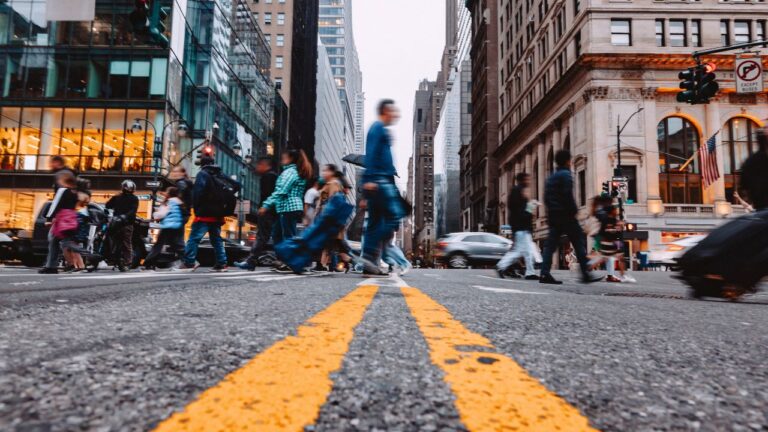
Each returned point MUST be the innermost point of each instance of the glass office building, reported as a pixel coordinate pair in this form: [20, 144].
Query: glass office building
[76, 87]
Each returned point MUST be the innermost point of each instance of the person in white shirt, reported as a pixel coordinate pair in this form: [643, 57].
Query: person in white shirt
[311, 198]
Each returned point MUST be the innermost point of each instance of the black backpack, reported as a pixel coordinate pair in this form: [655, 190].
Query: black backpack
[224, 194]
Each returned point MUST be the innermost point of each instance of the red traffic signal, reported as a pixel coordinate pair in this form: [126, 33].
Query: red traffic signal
[208, 150]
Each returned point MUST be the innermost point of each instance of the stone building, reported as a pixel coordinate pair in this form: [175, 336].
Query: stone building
[570, 71]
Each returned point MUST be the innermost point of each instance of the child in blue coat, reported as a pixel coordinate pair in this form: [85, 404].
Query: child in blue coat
[171, 217]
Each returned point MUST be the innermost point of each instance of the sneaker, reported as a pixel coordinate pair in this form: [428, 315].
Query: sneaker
[282, 269]
[590, 278]
[218, 268]
[369, 266]
[320, 269]
[404, 270]
[612, 279]
[47, 270]
[514, 274]
[122, 269]
[501, 273]
[628, 279]
[532, 277]
[549, 280]
[185, 266]
[374, 274]
[245, 265]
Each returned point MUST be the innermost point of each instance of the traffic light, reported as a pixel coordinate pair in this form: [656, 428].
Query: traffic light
[207, 150]
[139, 17]
[614, 189]
[698, 83]
[606, 188]
[157, 26]
[688, 84]
[707, 85]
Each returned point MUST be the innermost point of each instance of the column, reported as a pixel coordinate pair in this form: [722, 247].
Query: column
[541, 148]
[716, 192]
[557, 139]
[651, 162]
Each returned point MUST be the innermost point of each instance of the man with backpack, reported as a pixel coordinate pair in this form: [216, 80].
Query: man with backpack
[214, 197]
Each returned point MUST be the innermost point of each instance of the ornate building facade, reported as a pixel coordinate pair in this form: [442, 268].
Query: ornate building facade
[570, 71]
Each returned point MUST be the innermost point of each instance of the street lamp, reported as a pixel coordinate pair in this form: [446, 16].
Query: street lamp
[157, 151]
[617, 172]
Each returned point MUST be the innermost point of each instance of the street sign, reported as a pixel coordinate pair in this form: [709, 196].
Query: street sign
[620, 179]
[749, 75]
[153, 184]
[243, 206]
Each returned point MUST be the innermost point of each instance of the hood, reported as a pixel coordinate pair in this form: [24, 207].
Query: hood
[175, 200]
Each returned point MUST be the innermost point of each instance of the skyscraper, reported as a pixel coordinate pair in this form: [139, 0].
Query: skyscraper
[336, 34]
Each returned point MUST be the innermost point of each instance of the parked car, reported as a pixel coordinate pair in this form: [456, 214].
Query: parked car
[668, 254]
[7, 247]
[461, 250]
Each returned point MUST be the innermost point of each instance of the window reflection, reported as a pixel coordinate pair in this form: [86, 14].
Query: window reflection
[679, 181]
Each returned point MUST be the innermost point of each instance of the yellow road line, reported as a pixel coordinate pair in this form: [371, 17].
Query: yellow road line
[493, 393]
[283, 388]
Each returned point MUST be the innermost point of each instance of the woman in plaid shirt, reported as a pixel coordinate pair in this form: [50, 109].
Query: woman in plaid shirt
[288, 198]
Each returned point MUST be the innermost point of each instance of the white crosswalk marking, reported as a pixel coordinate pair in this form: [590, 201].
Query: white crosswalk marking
[507, 290]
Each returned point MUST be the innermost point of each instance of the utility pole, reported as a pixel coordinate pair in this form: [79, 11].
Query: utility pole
[617, 173]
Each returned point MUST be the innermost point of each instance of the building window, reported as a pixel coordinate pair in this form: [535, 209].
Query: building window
[679, 179]
[582, 188]
[677, 33]
[280, 18]
[280, 40]
[576, 6]
[739, 141]
[621, 32]
[660, 40]
[760, 30]
[696, 33]
[279, 62]
[725, 33]
[741, 32]
[267, 18]
[279, 83]
[268, 38]
[577, 43]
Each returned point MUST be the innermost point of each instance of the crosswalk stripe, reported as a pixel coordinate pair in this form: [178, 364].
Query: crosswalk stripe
[492, 391]
[284, 387]
[507, 290]
[145, 275]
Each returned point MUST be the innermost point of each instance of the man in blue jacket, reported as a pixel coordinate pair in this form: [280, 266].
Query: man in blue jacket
[561, 217]
[383, 200]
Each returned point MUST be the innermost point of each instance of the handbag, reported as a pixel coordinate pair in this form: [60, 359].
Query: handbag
[64, 223]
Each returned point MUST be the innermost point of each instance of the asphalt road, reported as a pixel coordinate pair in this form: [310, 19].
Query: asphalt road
[437, 350]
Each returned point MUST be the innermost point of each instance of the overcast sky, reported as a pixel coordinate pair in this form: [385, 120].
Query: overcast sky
[400, 42]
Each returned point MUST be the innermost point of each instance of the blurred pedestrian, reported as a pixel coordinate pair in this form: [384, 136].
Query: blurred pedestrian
[383, 200]
[57, 165]
[520, 211]
[311, 201]
[287, 200]
[184, 184]
[561, 217]
[265, 168]
[213, 198]
[64, 226]
[124, 207]
[171, 218]
[754, 174]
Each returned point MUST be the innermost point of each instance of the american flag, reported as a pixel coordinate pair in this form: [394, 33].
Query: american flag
[709, 169]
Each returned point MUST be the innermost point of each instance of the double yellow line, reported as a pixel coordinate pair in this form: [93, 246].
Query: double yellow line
[284, 387]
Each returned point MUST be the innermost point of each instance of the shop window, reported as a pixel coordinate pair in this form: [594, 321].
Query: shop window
[92, 150]
[114, 137]
[10, 119]
[137, 148]
[71, 134]
[679, 179]
[739, 141]
[29, 139]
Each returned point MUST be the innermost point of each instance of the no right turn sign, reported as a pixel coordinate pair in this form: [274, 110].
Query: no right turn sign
[749, 75]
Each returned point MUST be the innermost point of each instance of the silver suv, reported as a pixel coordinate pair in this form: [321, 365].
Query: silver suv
[461, 250]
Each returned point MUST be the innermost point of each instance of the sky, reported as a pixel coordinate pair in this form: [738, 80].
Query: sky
[400, 42]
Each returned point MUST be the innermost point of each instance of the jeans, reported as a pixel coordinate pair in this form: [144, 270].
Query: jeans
[171, 237]
[522, 248]
[384, 214]
[54, 251]
[123, 242]
[265, 226]
[394, 256]
[199, 229]
[286, 226]
[569, 227]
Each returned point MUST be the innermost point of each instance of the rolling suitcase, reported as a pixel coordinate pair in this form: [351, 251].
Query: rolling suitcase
[731, 260]
[297, 253]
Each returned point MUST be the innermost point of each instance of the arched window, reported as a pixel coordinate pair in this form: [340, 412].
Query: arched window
[739, 137]
[679, 178]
